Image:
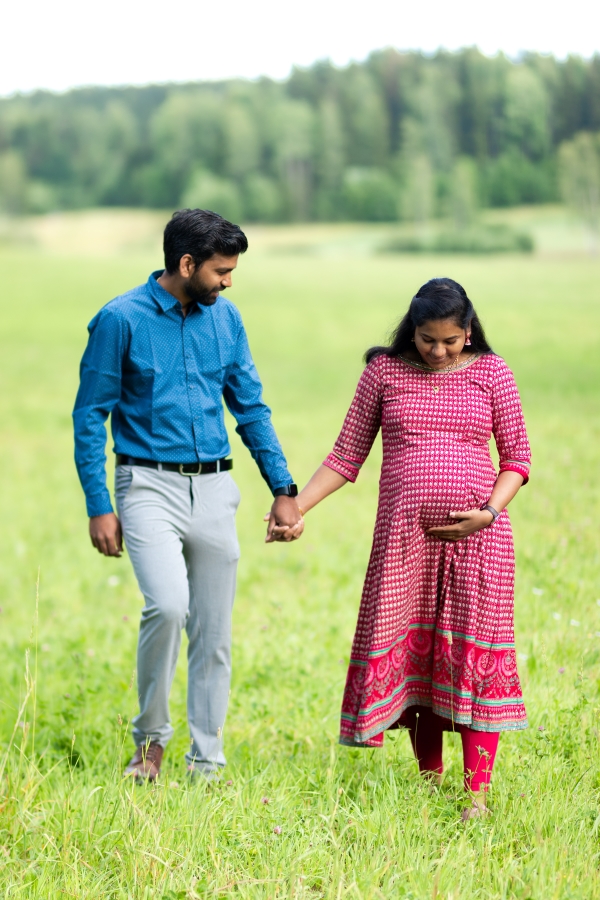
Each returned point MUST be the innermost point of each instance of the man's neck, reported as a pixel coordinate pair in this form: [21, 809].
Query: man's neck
[174, 285]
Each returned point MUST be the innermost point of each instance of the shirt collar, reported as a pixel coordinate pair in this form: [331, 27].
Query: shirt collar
[164, 299]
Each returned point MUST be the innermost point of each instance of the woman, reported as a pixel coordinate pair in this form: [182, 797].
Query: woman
[434, 644]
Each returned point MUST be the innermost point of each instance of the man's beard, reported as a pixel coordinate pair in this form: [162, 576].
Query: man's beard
[199, 293]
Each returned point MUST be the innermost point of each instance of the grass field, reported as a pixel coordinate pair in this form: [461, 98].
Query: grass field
[338, 823]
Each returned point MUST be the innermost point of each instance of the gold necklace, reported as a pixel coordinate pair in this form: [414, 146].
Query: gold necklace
[444, 373]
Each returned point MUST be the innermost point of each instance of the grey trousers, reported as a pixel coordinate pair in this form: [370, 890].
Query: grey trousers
[180, 535]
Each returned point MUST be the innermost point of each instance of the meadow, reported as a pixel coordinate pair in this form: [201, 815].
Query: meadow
[295, 815]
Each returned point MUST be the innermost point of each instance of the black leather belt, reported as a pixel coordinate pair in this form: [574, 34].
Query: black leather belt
[205, 468]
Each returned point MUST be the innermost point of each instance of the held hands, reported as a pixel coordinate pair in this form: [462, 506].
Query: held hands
[106, 534]
[285, 520]
[467, 523]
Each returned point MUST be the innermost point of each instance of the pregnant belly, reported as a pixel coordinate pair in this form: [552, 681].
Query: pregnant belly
[426, 488]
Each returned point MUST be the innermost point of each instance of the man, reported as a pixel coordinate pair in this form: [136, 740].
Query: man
[160, 360]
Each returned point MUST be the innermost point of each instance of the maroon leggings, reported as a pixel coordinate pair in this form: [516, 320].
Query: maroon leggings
[426, 736]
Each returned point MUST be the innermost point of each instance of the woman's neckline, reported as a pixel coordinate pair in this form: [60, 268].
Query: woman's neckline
[447, 371]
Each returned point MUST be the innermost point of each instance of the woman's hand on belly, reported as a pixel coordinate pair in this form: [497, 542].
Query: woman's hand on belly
[467, 523]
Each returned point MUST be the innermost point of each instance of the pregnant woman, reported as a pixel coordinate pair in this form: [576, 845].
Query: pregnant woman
[434, 644]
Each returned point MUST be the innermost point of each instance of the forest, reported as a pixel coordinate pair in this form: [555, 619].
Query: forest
[400, 136]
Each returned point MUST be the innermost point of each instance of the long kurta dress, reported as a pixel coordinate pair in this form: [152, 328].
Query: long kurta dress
[435, 626]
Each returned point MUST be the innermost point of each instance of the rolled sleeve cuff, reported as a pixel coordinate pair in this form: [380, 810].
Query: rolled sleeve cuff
[519, 468]
[99, 504]
[342, 467]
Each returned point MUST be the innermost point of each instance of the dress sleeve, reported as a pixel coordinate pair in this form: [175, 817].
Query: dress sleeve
[508, 425]
[360, 426]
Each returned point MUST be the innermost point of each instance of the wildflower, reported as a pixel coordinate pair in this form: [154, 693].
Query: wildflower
[265, 800]
[598, 601]
[277, 829]
[229, 783]
[174, 784]
[556, 616]
[45, 647]
[521, 795]
[114, 581]
[523, 657]
[537, 591]
[561, 670]
[91, 652]
[575, 623]
[126, 618]
[541, 728]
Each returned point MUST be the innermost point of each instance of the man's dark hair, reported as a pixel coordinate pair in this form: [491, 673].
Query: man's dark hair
[201, 233]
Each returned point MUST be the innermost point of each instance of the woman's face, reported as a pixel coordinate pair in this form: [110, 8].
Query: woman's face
[440, 342]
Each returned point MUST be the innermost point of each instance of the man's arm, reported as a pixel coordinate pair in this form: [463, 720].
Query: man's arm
[99, 391]
[243, 396]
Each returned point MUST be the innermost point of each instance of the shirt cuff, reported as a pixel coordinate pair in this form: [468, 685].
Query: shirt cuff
[99, 505]
[342, 467]
[520, 469]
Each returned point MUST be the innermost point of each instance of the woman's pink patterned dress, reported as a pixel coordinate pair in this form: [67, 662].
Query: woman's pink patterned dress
[435, 626]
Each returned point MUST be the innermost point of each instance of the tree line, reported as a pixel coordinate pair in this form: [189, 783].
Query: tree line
[401, 135]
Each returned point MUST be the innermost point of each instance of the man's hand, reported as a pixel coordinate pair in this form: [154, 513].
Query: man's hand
[469, 522]
[106, 534]
[285, 520]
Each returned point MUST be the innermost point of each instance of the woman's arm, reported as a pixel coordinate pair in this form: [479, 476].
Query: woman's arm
[323, 483]
[506, 487]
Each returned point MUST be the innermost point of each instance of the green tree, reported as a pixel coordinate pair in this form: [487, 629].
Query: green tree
[329, 160]
[366, 121]
[13, 183]
[186, 133]
[527, 112]
[418, 197]
[370, 195]
[579, 162]
[208, 191]
[262, 199]
[293, 124]
[241, 139]
[464, 193]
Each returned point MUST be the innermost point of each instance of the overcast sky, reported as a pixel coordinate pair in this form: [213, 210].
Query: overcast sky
[67, 43]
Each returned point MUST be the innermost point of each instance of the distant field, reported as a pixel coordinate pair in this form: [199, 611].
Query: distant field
[111, 232]
[355, 824]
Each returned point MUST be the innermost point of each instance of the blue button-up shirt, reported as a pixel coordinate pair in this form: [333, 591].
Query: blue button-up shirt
[163, 378]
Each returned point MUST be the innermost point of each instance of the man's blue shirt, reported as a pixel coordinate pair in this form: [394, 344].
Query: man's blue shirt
[162, 378]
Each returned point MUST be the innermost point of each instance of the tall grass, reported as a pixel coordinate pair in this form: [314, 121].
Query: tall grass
[294, 815]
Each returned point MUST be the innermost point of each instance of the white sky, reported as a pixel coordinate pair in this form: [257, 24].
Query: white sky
[58, 44]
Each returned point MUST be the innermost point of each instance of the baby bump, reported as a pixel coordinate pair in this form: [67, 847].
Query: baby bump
[428, 486]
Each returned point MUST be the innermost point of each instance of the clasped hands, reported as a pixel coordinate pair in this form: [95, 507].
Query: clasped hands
[467, 523]
[285, 520]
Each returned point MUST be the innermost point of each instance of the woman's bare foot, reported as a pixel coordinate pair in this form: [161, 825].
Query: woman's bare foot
[477, 809]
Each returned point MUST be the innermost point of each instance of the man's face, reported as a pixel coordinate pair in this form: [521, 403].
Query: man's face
[205, 283]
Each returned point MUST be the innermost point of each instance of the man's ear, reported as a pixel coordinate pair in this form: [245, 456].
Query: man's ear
[187, 266]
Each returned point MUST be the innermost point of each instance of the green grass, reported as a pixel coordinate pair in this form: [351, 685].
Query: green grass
[354, 824]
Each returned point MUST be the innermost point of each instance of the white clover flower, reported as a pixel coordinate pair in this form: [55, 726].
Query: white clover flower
[537, 591]
[575, 623]
[556, 616]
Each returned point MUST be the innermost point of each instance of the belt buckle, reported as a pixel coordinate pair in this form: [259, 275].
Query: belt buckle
[190, 474]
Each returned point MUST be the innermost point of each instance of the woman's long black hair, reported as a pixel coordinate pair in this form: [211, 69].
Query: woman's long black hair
[439, 298]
